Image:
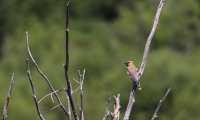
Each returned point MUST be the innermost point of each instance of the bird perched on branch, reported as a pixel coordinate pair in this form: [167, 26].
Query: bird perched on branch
[132, 71]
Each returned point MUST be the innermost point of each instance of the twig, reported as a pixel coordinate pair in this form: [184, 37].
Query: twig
[116, 113]
[69, 108]
[7, 100]
[81, 81]
[155, 115]
[43, 75]
[56, 106]
[50, 94]
[144, 59]
[34, 92]
[66, 66]
[107, 115]
[150, 37]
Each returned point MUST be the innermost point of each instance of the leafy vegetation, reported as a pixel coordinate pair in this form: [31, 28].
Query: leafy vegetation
[104, 34]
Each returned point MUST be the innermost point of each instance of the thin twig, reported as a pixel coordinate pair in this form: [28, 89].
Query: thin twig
[43, 75]
[66, 66]
[41, 116]
[50, 94]
[150, 38]
[56, 106]
[144, 59]
[117, 106]
[7, 100]
[69, 108]
[155, 115]
[108, 115]
[81, 82]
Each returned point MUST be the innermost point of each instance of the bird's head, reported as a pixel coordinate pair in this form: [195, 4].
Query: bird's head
[128, 63]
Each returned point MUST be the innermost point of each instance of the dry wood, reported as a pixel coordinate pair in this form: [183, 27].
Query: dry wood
[144, 60]
[8, 97]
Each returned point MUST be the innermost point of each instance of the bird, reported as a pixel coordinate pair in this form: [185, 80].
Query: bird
[132, 71]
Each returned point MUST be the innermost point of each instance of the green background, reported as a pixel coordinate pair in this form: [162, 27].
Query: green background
[103, 35]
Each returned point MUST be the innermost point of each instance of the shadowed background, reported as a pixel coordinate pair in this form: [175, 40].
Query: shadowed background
[103, 35]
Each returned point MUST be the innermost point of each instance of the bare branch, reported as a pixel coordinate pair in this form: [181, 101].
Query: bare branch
[34, 92]
[117, 106]
[50, 94]
[140, 71]
[129, 106]
[7, 100]
[108, 115]
[69, 108]
[56, 106]
[162, 100]
[150, 37]
[66, 66]
[43, 75]
[81, 81]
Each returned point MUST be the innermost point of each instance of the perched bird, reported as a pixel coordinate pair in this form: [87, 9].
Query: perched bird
[132, 71]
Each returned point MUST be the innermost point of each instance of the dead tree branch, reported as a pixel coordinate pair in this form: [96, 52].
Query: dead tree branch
[137, 73]
[51, 94]
[117, 106]
[108, 115]
[56, 106]
[150, 38]
[129, 106]
[81, 82]
[41, 116]
[162, 100]
[43, 75]
[66, 66]
[7, 99]
[69, 108]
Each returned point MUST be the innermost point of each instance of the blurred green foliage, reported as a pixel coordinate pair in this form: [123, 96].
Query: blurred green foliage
[104, 34]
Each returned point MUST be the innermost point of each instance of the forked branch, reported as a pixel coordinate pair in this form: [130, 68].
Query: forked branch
[7, 99]
[115, 114]
[81, 82]
[41, 116]
[108, 115]
[137, 75]
[66, 66]
[43, 75]
[51, 95]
